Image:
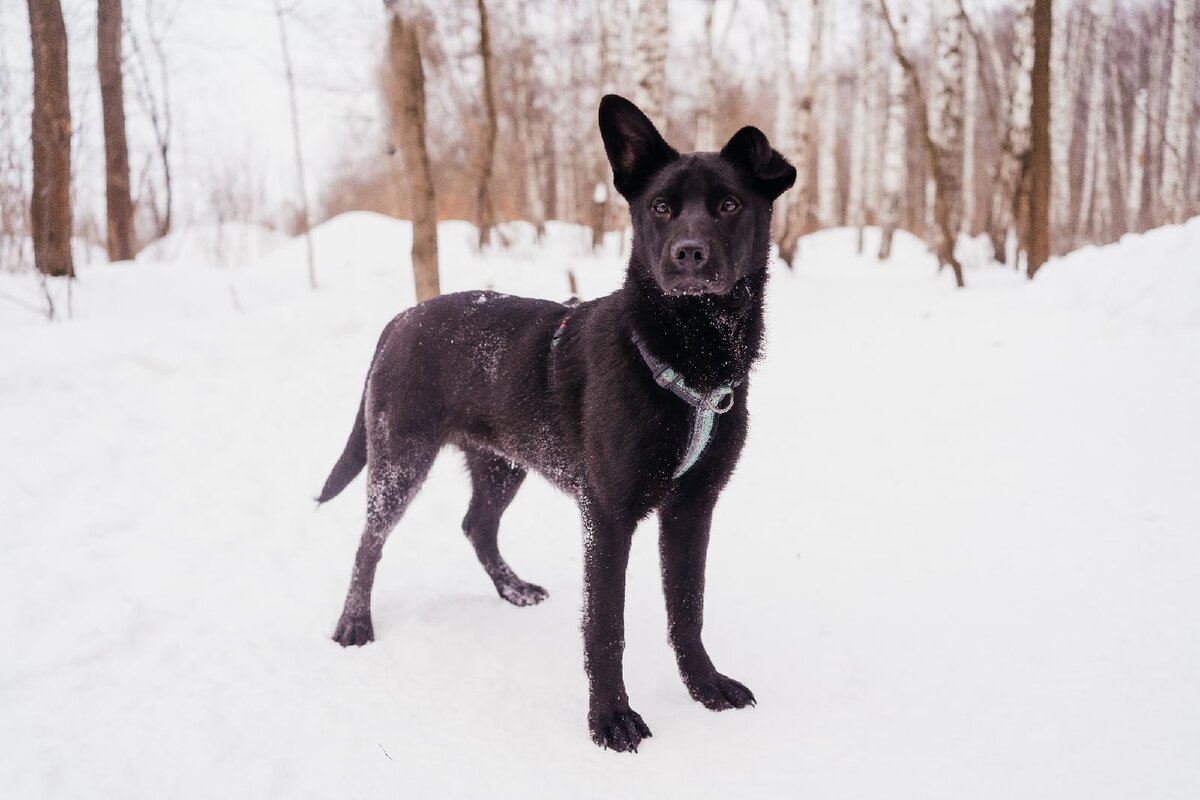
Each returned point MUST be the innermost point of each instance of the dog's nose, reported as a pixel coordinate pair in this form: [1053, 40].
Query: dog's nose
[689, 254]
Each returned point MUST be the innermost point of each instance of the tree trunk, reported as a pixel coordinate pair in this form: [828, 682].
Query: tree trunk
[1095, 158]
[894, 147]
[1179, 102]
[706, 128]
[1039, 129]
[652, 41]
[611, 18]
[120, 241]
[1015, 147]
[1137, 162]
[856, 215]
[826, 138]
[405, 87]
[800, 132]
[947, 127]
[484, 211]
[302, 184]
[947, 191]
[1062, 122]
[970, 79]
[50, 204]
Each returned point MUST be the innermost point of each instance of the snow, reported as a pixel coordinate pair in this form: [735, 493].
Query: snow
[958, 559]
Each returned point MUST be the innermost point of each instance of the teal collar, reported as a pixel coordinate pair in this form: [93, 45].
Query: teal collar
[707, 406]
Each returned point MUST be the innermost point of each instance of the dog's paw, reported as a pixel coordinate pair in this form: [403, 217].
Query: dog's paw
[353, 630]
[621, 730]
[720, 693]
[520, 593]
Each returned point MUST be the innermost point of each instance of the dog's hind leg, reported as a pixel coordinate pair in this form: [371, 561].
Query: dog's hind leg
[494, 483]
[395, 472]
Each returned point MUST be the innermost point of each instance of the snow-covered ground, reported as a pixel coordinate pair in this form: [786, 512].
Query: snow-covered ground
[960, 559]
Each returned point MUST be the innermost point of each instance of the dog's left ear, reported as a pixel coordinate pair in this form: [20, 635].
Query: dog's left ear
[750, 151]
[635, 148]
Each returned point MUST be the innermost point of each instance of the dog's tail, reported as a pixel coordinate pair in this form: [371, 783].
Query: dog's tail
[353, 459]
[354, 456]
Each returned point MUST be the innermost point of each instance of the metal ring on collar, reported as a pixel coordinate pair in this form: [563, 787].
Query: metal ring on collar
[708, 400]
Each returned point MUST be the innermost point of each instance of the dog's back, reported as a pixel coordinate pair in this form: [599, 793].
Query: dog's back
[469, 369]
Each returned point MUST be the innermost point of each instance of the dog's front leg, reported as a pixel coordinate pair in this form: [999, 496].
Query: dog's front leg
[606, 554]
[683, 546]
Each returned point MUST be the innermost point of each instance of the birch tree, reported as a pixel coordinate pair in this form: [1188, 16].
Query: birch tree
[943, 151]
[118, 203]
[1137, 161]
[706, 128]
[1179, 104]
[484, 211]
[1062, 119]
[795, 121]
[611, 18]
[1095, 190]
[652, 41]
[894, 145]
[826, 143]
[1014, 150]
[404, 84]
[946, 111]
[527, 118]
[50, 204]
[970, 79]
[860, 133]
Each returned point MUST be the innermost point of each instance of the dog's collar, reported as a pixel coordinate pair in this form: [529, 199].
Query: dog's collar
[708, 405]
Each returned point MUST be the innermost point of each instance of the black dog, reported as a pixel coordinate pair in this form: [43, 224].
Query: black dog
[619, 401]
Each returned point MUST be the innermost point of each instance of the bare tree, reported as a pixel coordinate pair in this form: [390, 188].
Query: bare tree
[1095, 191]
[1062, 118]
[120, 241]
[1040, 172]
[484, 210]
[302, 185]
[894, 143]
[826, 142]
[860, 137]
[1014, 149]
[155, 101]
[1179, 103]
[706, 128]
[940, 153]
[50, 206]
[970, 80]
[611, 18]
[946, 111]
[14, 195]
[404, 84]
[652, 41]
[528, 120]
[1137, 161]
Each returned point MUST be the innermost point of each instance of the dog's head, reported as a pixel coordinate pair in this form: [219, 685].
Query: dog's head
[701, 221]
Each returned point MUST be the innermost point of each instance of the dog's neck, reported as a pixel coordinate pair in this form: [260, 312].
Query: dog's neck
[709, 339]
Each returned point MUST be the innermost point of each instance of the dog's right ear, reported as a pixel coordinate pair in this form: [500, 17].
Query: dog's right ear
[635, 148]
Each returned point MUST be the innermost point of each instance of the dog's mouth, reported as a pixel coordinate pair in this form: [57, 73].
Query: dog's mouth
[693, 286]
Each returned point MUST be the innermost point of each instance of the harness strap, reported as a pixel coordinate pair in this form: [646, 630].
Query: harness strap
[707, 406]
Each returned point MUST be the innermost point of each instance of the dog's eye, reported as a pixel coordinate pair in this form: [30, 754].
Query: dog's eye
[660, 207]
[730, 205]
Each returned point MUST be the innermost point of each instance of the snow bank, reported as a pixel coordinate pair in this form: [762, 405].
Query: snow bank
[1150, 279]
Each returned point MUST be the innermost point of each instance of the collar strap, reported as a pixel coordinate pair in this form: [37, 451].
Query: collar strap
[708, 405]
